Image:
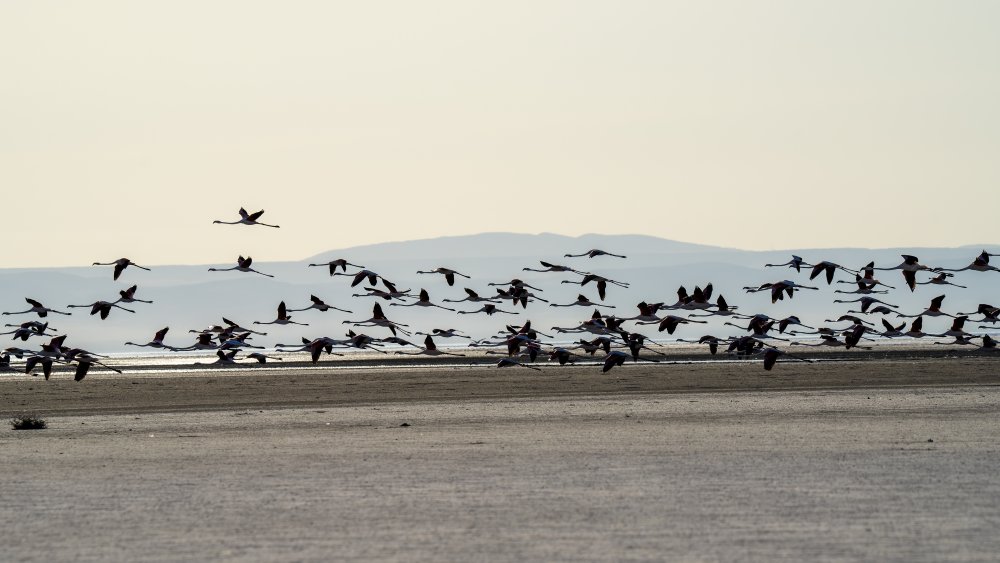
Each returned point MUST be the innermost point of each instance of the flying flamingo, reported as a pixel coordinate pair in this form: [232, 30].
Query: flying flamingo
[319, 305]
[128, 296]
[449, 274]
[445, 333]
[910, 266]
[892, 331]
[37, 308]
[489, 309]
[957, 328]
[242, 265]
[340, 262]
[282, 319]
[980, 264]
[830, 268]
[120, 265]
[866, 302]
[864, 287]
[378, 318]
[602, 283]
[83, 363]
[593, 254]
[473, 297]
[423, 301]
[246, 219]
[516, 282]
[102, 307]
[581, 300]
[552, 268]
[156, 342]
[933, 311]
[796, 262]
[430, 349]
[670, 322]
[941, 279]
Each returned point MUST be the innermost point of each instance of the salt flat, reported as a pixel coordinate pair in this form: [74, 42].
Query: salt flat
[905, 474]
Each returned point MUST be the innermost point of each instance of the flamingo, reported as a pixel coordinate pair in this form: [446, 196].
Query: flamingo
[980, 264]
[516, 283]
[319, 305]
[563, 356]
[893, 331]
[423, 301]
[933, 311]
[941, 279]
[583, 301]
[37, 326]
[236, 327]
[712, 341]
[916, 329]
[865, 278]
[910, 266]
[602, 283]
[128, 296]
[242, 265]
[791, 320]
[282, 319]
[360, 276]
[397, 340]
[830, 268]
[796, 262]
[519, 294]
[957, 328]
[246, 219]
[990, 313]
[489, 309]
[866, 303]
[552, 268]
[102, 307]
[864, 287]
[592, 346]
[120, 265]
[445, 333]
[430, 349]
[37, 308]
[786, 287]
[339, 262]
[593, 253]
[156, 342]
[647, 313]
[23, 333]
[472, 296]
[83, 363]
[379, 319]
[670, 323]
[237, 341]
[449, 274]
[850, 319]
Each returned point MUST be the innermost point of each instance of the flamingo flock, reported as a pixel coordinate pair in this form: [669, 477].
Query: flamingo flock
[523, 344]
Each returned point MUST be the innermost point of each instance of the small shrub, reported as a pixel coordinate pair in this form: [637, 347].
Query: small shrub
[28, 422]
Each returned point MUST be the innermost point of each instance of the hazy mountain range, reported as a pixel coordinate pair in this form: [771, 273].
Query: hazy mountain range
[189, 297]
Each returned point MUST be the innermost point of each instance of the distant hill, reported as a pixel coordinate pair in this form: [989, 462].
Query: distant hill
[503, 245]
[189, 297]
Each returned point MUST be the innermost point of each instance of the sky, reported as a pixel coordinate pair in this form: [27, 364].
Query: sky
[128, 127]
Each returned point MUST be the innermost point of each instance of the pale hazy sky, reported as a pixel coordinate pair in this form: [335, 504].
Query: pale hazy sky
[129, 126]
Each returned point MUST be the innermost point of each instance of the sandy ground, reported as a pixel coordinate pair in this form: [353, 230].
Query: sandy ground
[869, 461]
